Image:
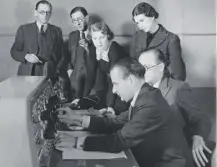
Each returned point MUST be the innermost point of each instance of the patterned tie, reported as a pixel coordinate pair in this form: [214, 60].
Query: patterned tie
[82, 35]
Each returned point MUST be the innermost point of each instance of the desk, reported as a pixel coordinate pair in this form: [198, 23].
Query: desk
[56, 161]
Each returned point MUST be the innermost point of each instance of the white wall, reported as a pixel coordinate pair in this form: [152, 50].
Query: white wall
[192, 20]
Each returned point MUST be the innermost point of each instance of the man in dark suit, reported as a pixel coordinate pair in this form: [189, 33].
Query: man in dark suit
[82, 64]
[179, 95]
[39, 45]
[147, 128]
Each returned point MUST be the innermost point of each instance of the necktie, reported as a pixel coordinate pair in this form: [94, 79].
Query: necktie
[130, 112]
[82, 35]
[42, 30]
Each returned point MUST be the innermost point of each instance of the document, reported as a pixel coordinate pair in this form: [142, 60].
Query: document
[72, 153]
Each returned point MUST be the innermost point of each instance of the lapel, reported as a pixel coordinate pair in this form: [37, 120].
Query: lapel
[110, 50]
[33, 35]
[159, 37]
[75, 45]
[51, 40]
[165, 86]
[140, 99]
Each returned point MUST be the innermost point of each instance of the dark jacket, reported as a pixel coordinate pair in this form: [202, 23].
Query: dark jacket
[180, 96]
[103, 84]
[150, 133]
[83, 64]
[26, 41]
[190, 119]
[166, 42]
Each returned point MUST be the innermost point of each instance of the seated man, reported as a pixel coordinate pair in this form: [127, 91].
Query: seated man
[178, 94]
[147, 128]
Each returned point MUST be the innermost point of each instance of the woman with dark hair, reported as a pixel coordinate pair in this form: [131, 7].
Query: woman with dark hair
[82, 59]
[107, 53]
[155, 36]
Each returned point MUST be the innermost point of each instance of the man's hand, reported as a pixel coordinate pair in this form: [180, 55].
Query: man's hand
[198, 151]
[69, 116]
[75, 101]
[65, 140]
[83, 44]
[32, 58]
[107, 111]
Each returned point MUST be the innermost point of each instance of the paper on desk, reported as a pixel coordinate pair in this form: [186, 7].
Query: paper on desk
[72, 153]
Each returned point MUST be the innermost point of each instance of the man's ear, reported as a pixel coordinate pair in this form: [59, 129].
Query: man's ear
[35, 12]
[87, 21]
[131, 78]
[161, 66]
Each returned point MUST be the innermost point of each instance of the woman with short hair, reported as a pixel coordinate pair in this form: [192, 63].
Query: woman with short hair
[155, 36]
[108, 52]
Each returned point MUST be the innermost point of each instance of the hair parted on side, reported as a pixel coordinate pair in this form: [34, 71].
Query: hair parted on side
[146, 9]
[103, 27]
[43, 2]
[79, 8]
[130, 66]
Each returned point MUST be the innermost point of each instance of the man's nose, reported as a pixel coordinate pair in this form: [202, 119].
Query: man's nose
[99, 41]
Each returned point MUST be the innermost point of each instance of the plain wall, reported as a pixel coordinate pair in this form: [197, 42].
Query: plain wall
[192, 20]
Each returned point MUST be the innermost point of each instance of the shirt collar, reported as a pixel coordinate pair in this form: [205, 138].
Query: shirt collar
[157, 84]
[39, 26]
[134, 98]
[102, 54]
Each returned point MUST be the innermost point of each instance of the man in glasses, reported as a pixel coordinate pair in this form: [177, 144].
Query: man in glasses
[147, 128]
[82, 55]
[39, 45]
[178, 94]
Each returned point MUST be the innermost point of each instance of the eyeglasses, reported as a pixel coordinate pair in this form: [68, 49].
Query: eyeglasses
[44, 12]
[148, 68]
[77, 20]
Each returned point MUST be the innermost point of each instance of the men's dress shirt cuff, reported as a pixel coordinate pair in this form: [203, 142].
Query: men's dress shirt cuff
[85, 121]
[80, 143]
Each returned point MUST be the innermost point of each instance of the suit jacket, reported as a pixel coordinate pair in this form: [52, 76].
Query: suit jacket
[103, 84]
[179, 95]
[83, 64]
[166, 42]
[26, 41]
[150, 132]
[191, 120]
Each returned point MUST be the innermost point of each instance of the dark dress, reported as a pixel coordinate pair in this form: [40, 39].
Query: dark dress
[103, 84]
